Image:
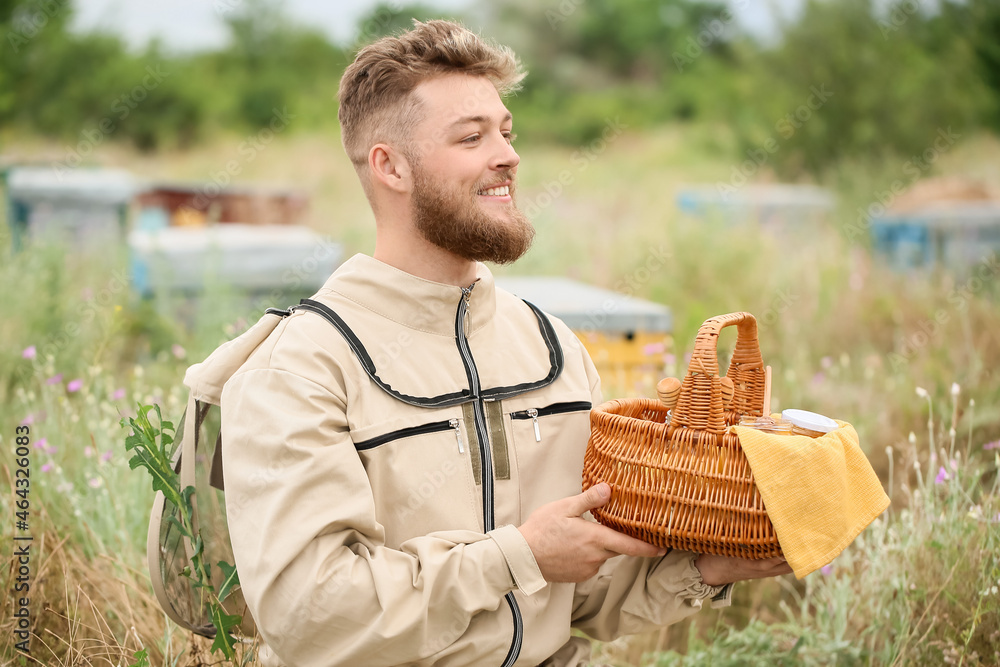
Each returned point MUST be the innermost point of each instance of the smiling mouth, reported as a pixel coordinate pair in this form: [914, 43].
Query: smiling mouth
[500, 191]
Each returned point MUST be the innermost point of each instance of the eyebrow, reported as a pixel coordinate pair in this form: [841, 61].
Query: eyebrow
[480, 119]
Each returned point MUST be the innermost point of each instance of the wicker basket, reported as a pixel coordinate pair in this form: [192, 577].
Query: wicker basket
[687, 484]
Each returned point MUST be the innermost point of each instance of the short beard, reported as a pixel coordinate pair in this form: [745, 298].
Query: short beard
[456, 222]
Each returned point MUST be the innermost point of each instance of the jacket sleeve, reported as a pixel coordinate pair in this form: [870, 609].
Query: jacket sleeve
[631, 595]
[322, 587]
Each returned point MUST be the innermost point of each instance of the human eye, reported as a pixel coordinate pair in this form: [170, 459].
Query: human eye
[471, 140]
[510, 136]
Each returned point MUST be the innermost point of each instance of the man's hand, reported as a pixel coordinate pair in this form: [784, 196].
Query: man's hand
[569, 548]
[719, 570]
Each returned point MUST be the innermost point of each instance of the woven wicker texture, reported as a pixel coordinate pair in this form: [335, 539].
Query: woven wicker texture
[687, 484]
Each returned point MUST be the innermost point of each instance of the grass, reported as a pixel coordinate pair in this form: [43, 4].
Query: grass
[842, 332]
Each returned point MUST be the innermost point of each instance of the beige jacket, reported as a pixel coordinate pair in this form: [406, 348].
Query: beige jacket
[378, 460]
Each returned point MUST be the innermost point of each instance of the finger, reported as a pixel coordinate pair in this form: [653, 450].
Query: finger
[595, 496]
[629, 546]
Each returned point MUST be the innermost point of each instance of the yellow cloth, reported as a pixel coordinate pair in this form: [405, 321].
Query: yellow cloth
[820, 493]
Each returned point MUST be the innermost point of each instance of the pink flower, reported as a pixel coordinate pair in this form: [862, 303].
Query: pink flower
[88, 451]
[55, 379]
[94, 482]
[29, 352]
[178, 351]
[40, 443]
[118, 395]
[826, 362]
[653, 348]
[47, 467]
[942, 476]
[51, 449]
[827, 569]
[106, 456]
[992, 445]
[29, 420]
[74, 385]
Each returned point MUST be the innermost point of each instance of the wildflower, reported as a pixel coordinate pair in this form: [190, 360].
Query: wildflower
[29, 420]
[826, 362]
[955, 389]
[992, 445]
[46, 467]
[74, 385]
[922, 393]
[118, 395]
[40, 443]
[88, 451]
[55, 379]
[976, 512]
[178, 351]
[94, 482]
[653, 348]
[913, 438]
[106, 456]
[51, 449]
[827, 569]
[29, 352]
[942, 476]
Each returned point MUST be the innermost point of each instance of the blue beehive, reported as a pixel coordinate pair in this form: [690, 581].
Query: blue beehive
[85, 208]
[953, 234]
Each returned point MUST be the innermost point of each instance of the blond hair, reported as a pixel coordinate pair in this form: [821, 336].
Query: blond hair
[377, 104]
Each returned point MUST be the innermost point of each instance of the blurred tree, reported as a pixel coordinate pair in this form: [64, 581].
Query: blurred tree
[272, 64]
[388, 18]
[847, 82]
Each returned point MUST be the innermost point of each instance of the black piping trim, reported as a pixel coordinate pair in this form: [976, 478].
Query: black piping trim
[444, 400]
[433, 427]
[554, 409]
[556, 360]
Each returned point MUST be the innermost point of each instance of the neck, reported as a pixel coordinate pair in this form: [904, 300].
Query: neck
[418, 257]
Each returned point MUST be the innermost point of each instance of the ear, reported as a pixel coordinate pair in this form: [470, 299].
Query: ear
[389, 168]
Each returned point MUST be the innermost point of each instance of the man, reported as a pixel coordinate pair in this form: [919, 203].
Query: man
[408, 466]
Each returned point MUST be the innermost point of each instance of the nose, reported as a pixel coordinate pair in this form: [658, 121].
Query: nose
[505, 157]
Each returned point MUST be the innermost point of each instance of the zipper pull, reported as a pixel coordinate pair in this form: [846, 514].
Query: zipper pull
[458, 434]
[533, 413]
[467, 318]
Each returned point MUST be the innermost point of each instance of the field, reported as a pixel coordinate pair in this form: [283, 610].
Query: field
[910, 359]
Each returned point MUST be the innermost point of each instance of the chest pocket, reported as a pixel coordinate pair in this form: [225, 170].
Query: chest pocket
[548, 441]
[421, 476]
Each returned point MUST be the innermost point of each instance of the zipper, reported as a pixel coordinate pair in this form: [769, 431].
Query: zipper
[433, 427]
[556, 408]
[453, 423]
[485, 453]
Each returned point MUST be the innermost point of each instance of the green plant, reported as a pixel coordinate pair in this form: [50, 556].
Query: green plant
[150, 445]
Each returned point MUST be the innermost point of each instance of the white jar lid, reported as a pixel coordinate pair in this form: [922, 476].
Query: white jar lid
[809, 420]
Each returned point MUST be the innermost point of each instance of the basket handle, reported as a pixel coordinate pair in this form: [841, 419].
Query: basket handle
[700, 405]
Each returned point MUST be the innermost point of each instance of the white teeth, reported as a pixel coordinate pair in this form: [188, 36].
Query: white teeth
[497, 192]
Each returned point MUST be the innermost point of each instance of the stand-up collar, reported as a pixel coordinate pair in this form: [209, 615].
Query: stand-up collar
[411, 301]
